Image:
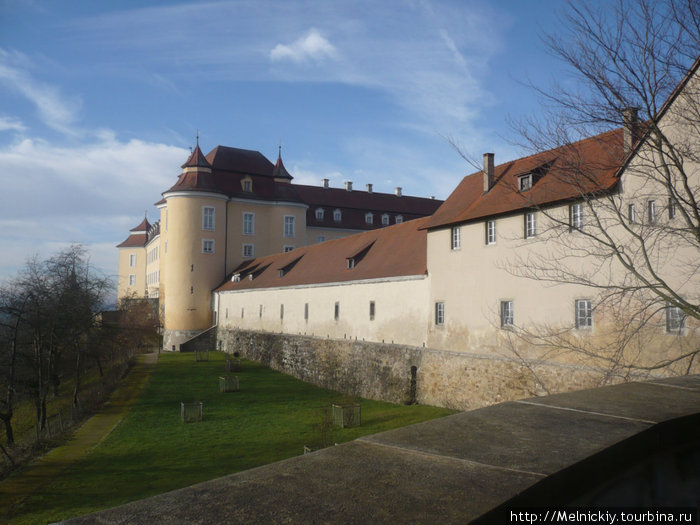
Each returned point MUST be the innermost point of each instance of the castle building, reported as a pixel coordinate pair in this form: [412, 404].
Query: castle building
[585, 254]
[234, 205]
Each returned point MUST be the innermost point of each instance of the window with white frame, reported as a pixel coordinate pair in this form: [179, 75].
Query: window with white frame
[207, 245]
[385, 220]
[491, 232]
[337, 215]
[132, 260]
[208, 218]
[456, 238]
[525, 182]
[530, 225]
[576, 216]
[651, 212]
[631, 214]
[584, 314]
[248, 223]
[369, 218]
[675, 319]
[288, 248]
[289, 222]
[439, 313]
[506, 314]
[398, 219]
[132, 279]
[319, 214]
[320, 238]
[248, 251]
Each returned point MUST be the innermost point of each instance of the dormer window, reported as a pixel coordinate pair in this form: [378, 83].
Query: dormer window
[398, 219]
[319, 214]
[525, 182]
[236, 278]
[356, 258]
[351, 263]
[369, 218]
[385, 220]
[337, 216]
[247, 184]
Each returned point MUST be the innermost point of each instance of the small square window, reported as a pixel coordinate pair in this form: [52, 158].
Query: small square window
[207, 245]
[439, 313]
[288, 248]
[584, 314]
[525, 182]
[248, 251]
[320, 238]
[506, 314]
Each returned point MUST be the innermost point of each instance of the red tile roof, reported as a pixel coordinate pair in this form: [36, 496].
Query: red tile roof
[197, 159]
[229, 166]
[569, 172]
[395, 251]
[139, 237]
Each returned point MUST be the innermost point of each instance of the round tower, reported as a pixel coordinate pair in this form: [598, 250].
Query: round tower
[193, 252]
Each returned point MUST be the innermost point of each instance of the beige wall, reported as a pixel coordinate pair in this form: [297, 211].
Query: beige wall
[268, 235]
[124, 289]
[400, 310]
[190, 274]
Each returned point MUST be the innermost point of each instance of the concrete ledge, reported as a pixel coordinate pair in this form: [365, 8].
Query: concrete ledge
[631, 444]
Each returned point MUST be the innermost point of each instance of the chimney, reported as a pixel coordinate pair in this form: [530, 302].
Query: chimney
[325, 183]
[432, 197]
[630, 122]
[488, 171]
[397, 191]
[369, 188]
[348, 185]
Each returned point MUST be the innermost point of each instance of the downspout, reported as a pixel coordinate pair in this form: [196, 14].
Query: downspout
[226, 240]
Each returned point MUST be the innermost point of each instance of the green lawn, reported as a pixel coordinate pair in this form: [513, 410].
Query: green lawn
[271, 418]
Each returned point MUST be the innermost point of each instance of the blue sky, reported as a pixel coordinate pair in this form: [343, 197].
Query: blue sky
[100, 100]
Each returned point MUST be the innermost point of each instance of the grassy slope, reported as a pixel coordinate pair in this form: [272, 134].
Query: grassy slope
[152, 451]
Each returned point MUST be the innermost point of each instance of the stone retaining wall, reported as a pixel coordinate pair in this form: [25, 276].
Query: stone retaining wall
[386, 372]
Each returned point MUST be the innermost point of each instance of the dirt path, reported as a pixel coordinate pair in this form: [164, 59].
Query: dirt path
[29, 481]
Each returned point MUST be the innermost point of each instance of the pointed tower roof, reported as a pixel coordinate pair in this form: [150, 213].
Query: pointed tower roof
[138, 235]
[144, 226]
[279, 171]
[197, 159]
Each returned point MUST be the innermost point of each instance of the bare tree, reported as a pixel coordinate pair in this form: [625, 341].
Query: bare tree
[637, 239]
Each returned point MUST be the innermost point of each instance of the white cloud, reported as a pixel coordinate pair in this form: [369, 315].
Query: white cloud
[11, 124]
[53, 108]
[90, 194]
[312, 46]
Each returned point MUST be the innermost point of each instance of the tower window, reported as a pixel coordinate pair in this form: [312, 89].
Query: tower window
[208, 218]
